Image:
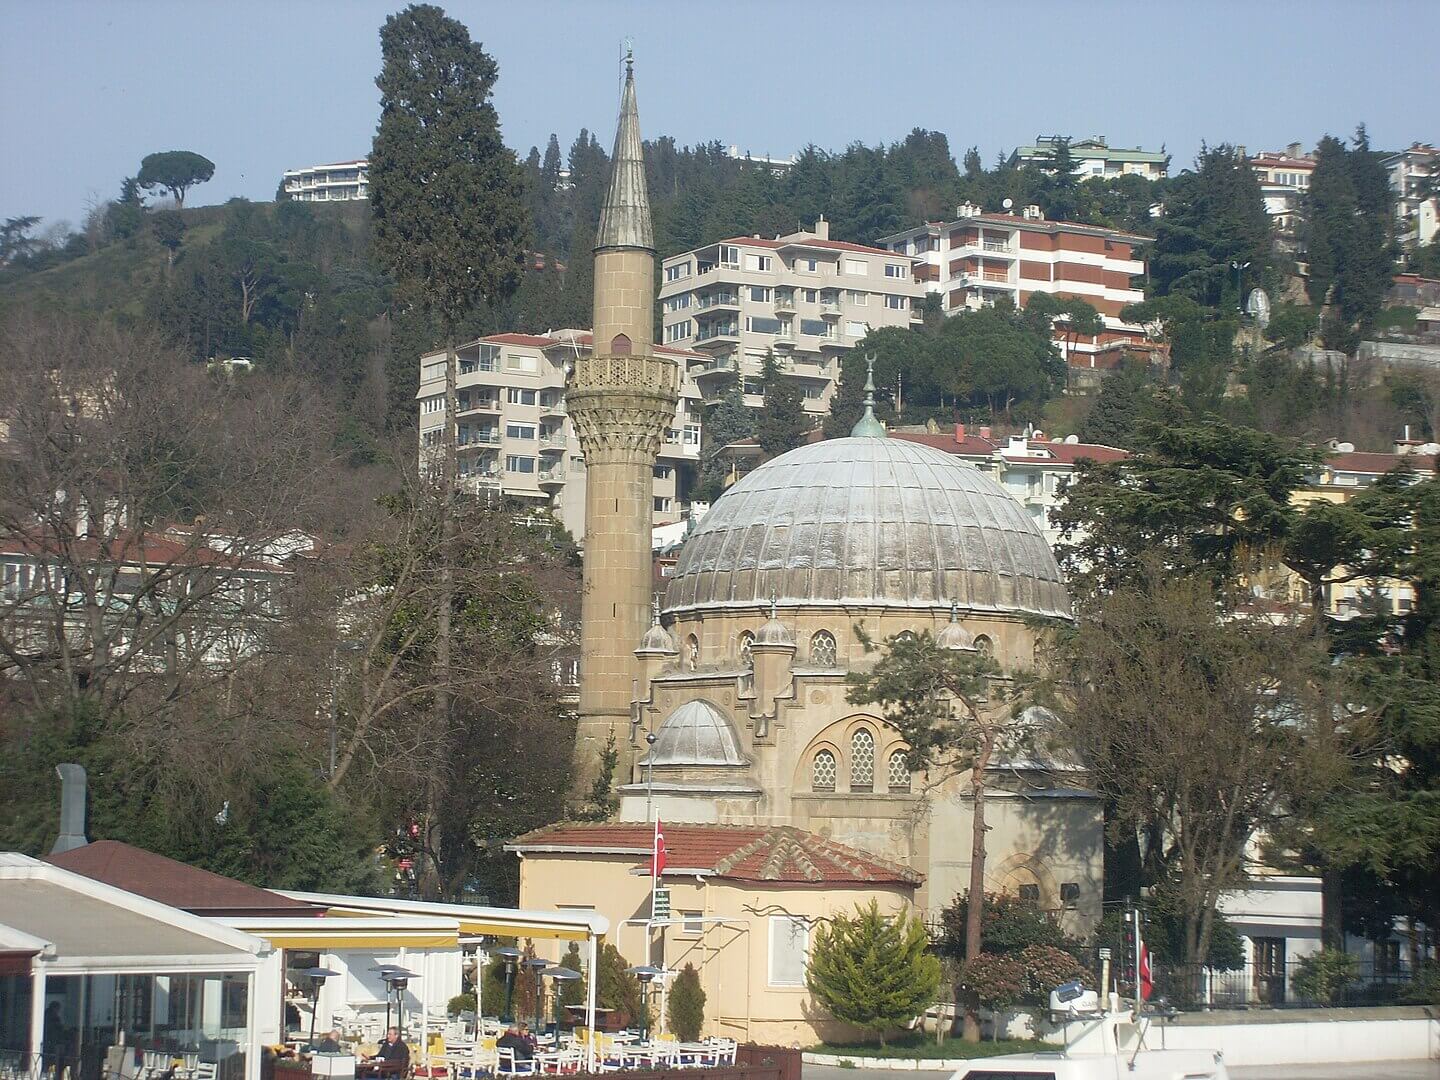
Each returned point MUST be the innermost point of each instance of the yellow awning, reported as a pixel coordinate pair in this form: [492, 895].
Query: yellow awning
[339, 938]
[518, 929]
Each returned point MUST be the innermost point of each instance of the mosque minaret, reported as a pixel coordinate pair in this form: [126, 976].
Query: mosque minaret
[621, 399]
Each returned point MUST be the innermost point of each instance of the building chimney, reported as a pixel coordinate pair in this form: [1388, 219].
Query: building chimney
[822, 228]
[984, 433]
[966, 210]
[959, 433]
[1033, 213]
[72, 808]
[1294, 150]
[1240, 152]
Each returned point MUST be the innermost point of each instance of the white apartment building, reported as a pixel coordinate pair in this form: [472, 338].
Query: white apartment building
[1094, 158]
[805, 296]
[979, 257]
[1284, 177]
[1410, 170]
[515, 437]
[344, 181]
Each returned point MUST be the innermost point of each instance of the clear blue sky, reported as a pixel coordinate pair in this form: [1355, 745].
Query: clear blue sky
[87, 87]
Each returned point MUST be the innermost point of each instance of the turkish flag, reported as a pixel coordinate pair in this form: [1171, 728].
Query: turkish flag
[1147, 984]
[657, 860]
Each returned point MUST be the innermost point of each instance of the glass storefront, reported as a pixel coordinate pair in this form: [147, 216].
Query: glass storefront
[101, 1025]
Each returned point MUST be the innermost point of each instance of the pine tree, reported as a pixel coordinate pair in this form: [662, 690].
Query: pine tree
[729, 421]
[872, 970]
[685, 1007]
[848, 403]
[783, 423]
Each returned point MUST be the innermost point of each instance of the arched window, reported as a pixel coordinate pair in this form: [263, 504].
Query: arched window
[620, 345]
[822, 771]
[747, 661]
[985, 647]
[905, 635]
[862, 760]
[692, 653]
[899, 778]
[822, 649]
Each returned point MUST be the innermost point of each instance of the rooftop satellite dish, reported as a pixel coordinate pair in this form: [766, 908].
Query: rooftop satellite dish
[1008, 203]
[1258, 307]
[1345, 448]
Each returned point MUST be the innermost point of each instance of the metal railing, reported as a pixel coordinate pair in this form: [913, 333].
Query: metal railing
[719, 300]
[708, 333]
[1274, 986]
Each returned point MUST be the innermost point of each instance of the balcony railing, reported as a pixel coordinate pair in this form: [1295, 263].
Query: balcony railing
[784, 302]
[1000, 246]
[478, 438]
[707, 333]
[552, 476]
[719, 300]
[996, 275]
[555, 441]
[785, 336]
[829, 307]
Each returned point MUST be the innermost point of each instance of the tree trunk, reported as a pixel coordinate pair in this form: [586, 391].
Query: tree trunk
[429, 878]
[975, 909]
[1332, 909]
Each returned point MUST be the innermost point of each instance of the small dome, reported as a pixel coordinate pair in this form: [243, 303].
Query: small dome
[955, 636]
[697, 733]
[774, 631]
[657, 640]
[868, 521]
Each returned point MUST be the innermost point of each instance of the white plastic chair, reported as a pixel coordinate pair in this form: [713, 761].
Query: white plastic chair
[509, 1066]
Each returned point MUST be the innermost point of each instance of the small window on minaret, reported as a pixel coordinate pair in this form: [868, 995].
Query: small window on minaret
[620, 345]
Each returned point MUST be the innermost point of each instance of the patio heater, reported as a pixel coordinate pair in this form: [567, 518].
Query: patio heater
[510, 955]
[396, 979]
[317, 976]
[562, 974]
[537, 966]
[646, 974]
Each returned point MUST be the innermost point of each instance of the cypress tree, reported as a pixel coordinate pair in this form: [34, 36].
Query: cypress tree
[783, 423]
[685, 1008]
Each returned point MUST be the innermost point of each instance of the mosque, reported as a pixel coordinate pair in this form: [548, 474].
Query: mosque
[728, 702]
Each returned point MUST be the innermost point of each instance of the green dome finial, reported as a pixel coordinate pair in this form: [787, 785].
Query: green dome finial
[868, 427]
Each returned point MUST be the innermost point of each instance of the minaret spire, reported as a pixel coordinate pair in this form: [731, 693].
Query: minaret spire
[868, 427]
[625, 216]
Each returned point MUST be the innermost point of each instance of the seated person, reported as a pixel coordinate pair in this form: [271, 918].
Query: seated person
[330, 1044]
[393, 1052]
[516, 1041]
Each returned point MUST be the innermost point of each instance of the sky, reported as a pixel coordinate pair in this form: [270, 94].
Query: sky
[88, 87]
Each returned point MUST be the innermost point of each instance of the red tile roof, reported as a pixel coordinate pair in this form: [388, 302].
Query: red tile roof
[132, 550]
[779, 854]
[829, 245]
[967, 445]
[975, 446]
[175, 883]
[1360, 461]
[541, 341]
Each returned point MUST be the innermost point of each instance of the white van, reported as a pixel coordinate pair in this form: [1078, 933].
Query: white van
[1060, 1065]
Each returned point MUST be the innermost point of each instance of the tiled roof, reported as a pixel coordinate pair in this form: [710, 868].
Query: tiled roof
[778, 854]
[542, 341]
[977, 447]
[534, 340]
[131, 550]
[1360, 461]
[816, 242]
[175, 883]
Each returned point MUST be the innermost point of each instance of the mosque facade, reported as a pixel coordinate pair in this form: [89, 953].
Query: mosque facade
[732, 708]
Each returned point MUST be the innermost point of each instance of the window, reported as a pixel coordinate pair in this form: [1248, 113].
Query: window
[862, 760]
[1030, 893]
[905, 635]
[822, 649]
[985, 647]
[761, 324]
[521, 362]
[789, 950]
[857, 266]
[854, 329]
[517, 464]
[435, 370]
[678, 303]
[823, 772]
[516, 396]
[810, 266]
[814, 327]
[520, 431]
[895, 270]
[489, 359]
[692, 652]
[747, 661]
[859, 299]
[810, 296]
[760, 294]
[690, 924]
[692, 434]
[663, 472]
[1387, 957]
[752, 386]
[1069, 892]
[757, 262]
[730, 256]
[662, 504]
[677, 331]
[679, 270]
[432, 404]
[896, 303]
[19, 579]
[898, 773]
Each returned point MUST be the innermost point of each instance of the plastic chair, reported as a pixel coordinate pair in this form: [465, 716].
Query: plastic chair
[508, 1066]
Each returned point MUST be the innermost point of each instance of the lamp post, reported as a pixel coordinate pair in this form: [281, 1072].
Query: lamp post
[396, 979]
[536, 966]
[561, 974]
[317, 975]
[650, 739]
[646, 974]
[510, 955]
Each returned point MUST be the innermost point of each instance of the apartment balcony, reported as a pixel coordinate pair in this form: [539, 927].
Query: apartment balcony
[554, 441]
[555, 408]
[997, 247]
[808, 367]
[718, 300]
[710, 335]
[784, 302]
[479, 438]
[785, 337]
[551, 477]
[481, 405]
[830, 308]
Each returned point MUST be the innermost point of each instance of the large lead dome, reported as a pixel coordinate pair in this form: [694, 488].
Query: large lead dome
[873, 522]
